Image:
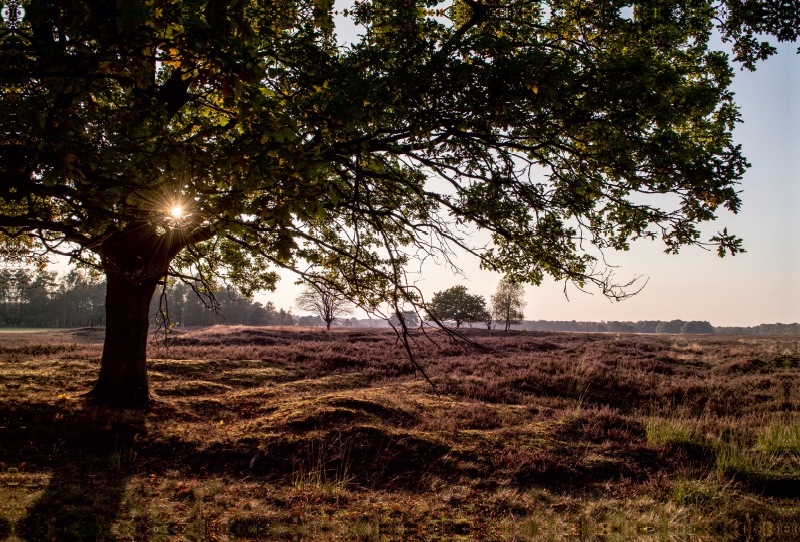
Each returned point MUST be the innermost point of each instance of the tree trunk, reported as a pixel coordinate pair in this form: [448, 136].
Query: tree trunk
[135, 260]
[123, 377]
[328, 324]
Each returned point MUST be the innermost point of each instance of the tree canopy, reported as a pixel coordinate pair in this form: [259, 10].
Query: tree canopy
[222, 139]
[458, 306]
[508, 302]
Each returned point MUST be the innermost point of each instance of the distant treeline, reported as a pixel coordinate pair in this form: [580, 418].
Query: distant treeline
[656, 326]
[185, 308]
[77, 299]
[762, 329]
[645, 326]
[29, 299]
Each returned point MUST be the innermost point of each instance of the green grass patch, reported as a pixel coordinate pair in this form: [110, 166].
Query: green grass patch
[780, 439]
[674, 432]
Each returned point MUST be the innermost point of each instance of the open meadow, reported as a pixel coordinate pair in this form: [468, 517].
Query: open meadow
[299, 434]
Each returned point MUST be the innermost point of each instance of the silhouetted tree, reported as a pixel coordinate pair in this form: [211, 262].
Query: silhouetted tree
[410, 318]
[325, 302]
[487, 316]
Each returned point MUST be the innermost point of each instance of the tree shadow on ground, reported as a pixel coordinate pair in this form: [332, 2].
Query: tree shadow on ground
[84, 450]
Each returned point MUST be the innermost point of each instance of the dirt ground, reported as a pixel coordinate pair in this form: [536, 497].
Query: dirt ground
[299, 434]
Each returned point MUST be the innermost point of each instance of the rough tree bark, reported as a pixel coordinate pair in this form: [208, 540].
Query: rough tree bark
[123, 377]
[135, 261]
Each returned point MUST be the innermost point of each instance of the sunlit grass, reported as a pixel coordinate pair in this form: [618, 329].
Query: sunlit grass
[779, 438]
[665, 431]
[318, 471]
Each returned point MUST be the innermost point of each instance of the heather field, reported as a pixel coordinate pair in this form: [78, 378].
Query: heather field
[298, 434]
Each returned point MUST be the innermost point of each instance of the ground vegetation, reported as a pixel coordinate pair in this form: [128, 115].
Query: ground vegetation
[302, 434]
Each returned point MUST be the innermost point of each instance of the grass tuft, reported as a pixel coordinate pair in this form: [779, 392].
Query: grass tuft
[673, 432]
[122, 457]
[780, 439]
[323, 468]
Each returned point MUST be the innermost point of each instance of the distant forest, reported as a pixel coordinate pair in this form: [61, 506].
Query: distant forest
[656, 326]
[77, 299]
[29, 299]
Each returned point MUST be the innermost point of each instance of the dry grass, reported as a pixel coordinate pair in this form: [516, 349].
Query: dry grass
[264, 433]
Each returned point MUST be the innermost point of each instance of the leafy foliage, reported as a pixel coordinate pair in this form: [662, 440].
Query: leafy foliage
[457, 305]
[508, 302]
[283, 147]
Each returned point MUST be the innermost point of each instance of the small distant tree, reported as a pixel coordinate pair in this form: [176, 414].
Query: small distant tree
[457, 305]
[328, 304]
[487, 317]
[410, 318]
[508, 302]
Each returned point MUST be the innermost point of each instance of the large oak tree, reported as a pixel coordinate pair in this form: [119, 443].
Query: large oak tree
[208, 139]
